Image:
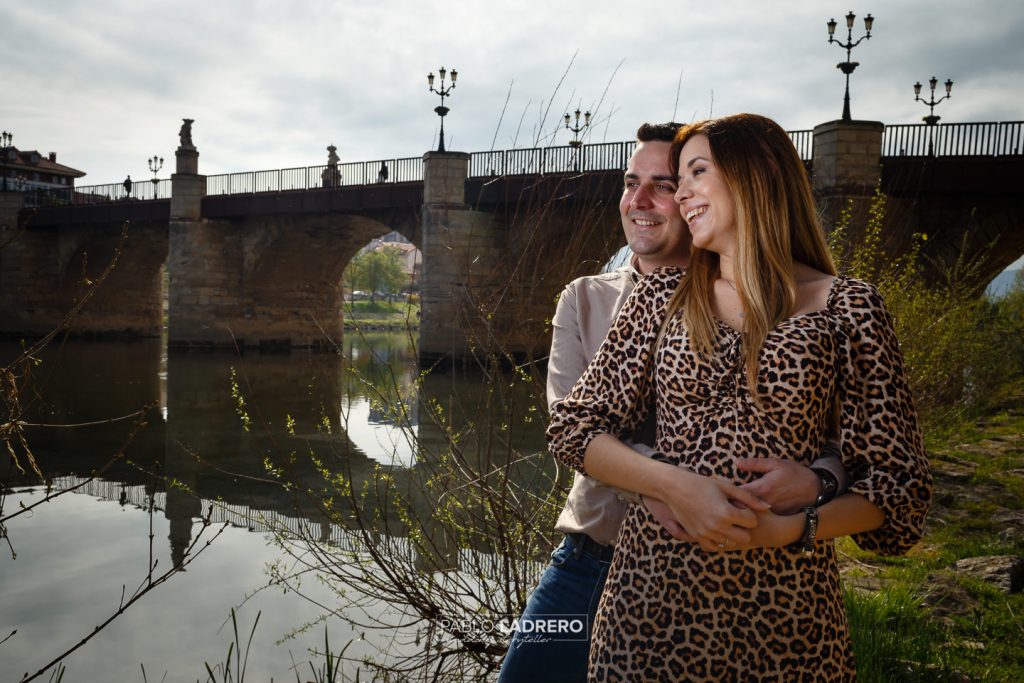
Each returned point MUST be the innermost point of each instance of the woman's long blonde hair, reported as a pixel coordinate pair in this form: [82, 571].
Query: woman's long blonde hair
[776, 225]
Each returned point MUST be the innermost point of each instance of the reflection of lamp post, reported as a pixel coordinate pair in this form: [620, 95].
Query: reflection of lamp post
[443, 92]
[847, 67]
[155, 164]
[932, 120]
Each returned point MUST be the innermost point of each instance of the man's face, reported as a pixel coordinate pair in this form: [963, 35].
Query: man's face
[654, 228]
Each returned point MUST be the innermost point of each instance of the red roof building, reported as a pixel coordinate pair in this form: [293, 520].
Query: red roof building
[29, 170]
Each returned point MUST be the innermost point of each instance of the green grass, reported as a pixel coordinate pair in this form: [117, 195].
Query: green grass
[893, 638]
[381, 314]
[923, 621]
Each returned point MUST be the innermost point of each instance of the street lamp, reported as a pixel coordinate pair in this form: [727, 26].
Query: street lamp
[847, 67]
[155, 164]
[576, 142]
[443, 92]
[932, 120]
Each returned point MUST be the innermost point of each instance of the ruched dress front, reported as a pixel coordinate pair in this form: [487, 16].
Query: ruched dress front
[671, 611]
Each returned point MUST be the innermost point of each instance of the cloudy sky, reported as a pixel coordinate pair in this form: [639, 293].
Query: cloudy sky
[106, 83]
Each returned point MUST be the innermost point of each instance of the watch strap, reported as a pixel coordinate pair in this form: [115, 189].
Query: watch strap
[806, 542]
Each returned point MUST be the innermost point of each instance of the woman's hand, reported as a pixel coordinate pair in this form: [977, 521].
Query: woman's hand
[771, 531]
[663, 515]
[712, 510]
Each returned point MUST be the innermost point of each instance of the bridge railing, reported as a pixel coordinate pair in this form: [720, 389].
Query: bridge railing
[803, 140]
[326, 176]
[915, 139]
[41, 197]
[115, 192]
[608, 156]
[954, 139]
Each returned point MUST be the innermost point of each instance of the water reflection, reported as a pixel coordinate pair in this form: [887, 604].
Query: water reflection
[222, 422]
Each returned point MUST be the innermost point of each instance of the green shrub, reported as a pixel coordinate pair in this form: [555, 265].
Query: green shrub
[959, 347]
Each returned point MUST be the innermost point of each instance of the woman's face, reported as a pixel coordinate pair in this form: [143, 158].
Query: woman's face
[704, 199]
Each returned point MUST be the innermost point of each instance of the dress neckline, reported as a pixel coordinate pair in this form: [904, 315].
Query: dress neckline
[827, 310]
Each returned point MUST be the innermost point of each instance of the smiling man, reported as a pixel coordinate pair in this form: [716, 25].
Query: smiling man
[570, 588]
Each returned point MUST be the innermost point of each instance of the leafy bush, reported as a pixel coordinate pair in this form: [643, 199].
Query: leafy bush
[959, 348]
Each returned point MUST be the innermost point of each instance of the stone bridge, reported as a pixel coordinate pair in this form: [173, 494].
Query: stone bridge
[255, 259]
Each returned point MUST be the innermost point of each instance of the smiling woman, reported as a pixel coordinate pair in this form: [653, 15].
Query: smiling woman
[758, 351]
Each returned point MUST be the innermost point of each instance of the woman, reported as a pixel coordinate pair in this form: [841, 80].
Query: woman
[760, 350]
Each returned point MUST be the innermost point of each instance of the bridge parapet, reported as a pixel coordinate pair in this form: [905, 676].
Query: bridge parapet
[1004, 138]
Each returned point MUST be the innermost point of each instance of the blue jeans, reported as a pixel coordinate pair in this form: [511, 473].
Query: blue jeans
[569, 588]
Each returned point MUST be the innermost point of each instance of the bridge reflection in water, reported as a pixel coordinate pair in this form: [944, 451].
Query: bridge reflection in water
[196, 438]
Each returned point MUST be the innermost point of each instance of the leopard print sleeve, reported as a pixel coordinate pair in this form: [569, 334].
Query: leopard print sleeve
[613, 395]
[880, 436]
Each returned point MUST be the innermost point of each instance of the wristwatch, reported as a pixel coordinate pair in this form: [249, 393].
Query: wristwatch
[828, 486]
[806, 542]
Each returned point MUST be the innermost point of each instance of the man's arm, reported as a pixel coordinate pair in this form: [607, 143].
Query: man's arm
[789, 486]
[567, 359]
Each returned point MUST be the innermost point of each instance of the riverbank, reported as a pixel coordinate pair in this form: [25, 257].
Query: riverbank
[955, 603]
[382, 315]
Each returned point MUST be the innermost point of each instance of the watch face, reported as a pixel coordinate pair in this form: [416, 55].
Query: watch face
[828, 487]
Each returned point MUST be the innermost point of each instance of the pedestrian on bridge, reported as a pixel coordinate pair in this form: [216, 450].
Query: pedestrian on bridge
[128, 187]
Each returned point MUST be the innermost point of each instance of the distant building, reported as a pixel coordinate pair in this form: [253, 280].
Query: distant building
[394, 236]
[411, 258]
[25, 171]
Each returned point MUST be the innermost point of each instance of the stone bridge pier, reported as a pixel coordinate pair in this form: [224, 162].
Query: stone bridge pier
[496, 256]
[267, 279]
[46, 272]
[968, 207]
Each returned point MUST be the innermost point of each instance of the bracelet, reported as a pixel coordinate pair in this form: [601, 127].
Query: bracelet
[806, 542]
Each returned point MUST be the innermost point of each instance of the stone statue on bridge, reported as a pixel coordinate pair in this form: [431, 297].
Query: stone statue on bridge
[185, 134]
[330, 175]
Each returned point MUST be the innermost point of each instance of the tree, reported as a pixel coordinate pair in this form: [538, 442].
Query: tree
[378, 270]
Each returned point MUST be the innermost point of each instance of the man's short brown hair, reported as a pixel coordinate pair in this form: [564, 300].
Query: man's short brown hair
[658, 132]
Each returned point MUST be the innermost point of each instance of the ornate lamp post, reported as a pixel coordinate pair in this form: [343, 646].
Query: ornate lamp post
[577, 129]
[576, 143]
[443, 92]
[155, 164]
[932, 120]
[5, 141]
[847, 67]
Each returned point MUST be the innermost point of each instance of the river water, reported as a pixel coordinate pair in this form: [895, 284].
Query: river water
[219, 425]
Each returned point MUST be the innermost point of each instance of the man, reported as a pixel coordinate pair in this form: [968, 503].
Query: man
[571, 585]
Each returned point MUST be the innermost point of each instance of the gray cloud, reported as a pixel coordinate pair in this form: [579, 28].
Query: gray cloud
[270, 85]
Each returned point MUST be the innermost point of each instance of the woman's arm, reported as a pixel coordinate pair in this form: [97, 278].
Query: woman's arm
[850, 513]
[702, 505]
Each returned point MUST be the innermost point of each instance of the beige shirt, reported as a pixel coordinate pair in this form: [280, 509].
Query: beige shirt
[585, 311]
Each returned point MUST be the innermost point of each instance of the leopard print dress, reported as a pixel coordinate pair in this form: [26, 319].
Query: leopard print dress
[673, 612]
